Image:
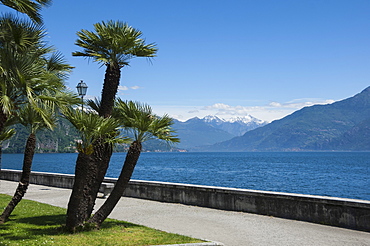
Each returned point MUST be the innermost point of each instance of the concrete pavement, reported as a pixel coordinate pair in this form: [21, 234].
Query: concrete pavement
[230, 228]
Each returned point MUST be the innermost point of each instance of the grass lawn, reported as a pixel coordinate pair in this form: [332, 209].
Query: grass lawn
[33, 223]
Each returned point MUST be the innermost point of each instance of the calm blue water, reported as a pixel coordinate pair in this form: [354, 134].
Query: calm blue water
[338, 174]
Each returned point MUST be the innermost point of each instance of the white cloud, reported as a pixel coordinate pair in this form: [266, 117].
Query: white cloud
[269, 112]
[300, 103]
[125, 88]
[227, 110]
[274, 104]
[122, 88]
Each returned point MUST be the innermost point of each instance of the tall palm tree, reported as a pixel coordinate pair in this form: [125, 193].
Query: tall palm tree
[144, 125]
[112, 44]
[30, 8]
[31, 86]
[93, 129]
[27, 66]
[22, 53]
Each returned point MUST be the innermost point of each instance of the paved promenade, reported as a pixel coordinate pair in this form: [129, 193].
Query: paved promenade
[230, 228]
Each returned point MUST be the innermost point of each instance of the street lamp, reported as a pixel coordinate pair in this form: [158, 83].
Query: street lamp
[81, 89]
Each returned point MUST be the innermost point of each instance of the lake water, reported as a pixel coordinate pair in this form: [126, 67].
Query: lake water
[337, 174]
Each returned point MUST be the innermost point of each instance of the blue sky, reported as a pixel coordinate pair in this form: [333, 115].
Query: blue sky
[266, 58]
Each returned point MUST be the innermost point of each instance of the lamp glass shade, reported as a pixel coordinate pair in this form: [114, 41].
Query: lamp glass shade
[81, 88]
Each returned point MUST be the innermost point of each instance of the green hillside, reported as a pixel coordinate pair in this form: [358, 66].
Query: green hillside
[63, 140]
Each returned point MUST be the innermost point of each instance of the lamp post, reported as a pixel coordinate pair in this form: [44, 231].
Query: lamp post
[81, 89]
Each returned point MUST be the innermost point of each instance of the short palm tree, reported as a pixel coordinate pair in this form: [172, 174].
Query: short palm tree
[139, 120]
[28, 7]
[31, 86]
[94, 130]
[6, 134]
[33, 121]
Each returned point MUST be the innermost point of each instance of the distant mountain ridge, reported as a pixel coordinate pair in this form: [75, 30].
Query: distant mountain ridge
[343, 125]
[212, 129]
[236, 126]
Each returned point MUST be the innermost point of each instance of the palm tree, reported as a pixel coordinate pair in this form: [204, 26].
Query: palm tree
[28, 7]
[33, 121]
[31, 86]
[112, 44]
[94, 131]
[144, 125]
[27, 66]
[22, 53]
[38, 113]
[6, 133]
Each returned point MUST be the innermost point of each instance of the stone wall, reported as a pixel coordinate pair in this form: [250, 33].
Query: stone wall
[346, 213]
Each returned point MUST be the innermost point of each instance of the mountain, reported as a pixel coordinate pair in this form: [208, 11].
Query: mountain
[63, 140]
[343, 125]
[236, 126]
[212, 129]
[196, 132]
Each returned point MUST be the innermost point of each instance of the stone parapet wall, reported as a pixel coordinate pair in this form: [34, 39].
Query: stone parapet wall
[341, 212]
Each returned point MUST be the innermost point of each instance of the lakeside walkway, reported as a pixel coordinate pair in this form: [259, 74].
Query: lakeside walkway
[229, 228]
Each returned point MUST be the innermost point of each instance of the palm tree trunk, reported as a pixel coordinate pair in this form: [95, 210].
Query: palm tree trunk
[132, 157]
[1, 157]
[25, 178]
[102, 155]
[80, 199]
[3, 119]
[91, 170]
[110, 88]
[103, 152]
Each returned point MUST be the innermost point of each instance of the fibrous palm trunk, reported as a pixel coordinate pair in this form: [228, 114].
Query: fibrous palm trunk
[77, 212]
[91, 170]
[110, 88]
[103, 152]
[102, 155]
[132, 157]
[24, 180]
[3, 119]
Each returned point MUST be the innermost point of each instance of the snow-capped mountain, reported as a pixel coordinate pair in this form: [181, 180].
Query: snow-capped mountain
[236, 126]
[212, 129]
[213, 118]
[246, 120]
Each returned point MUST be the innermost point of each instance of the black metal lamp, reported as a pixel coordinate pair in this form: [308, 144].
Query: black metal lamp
[82, 89]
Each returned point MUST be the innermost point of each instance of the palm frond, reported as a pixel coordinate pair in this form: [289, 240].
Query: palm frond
[114, 43]
[56, 64]
[94, 104]
[138, 119]
[93, 128]
[6, 134]
[28, 7]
